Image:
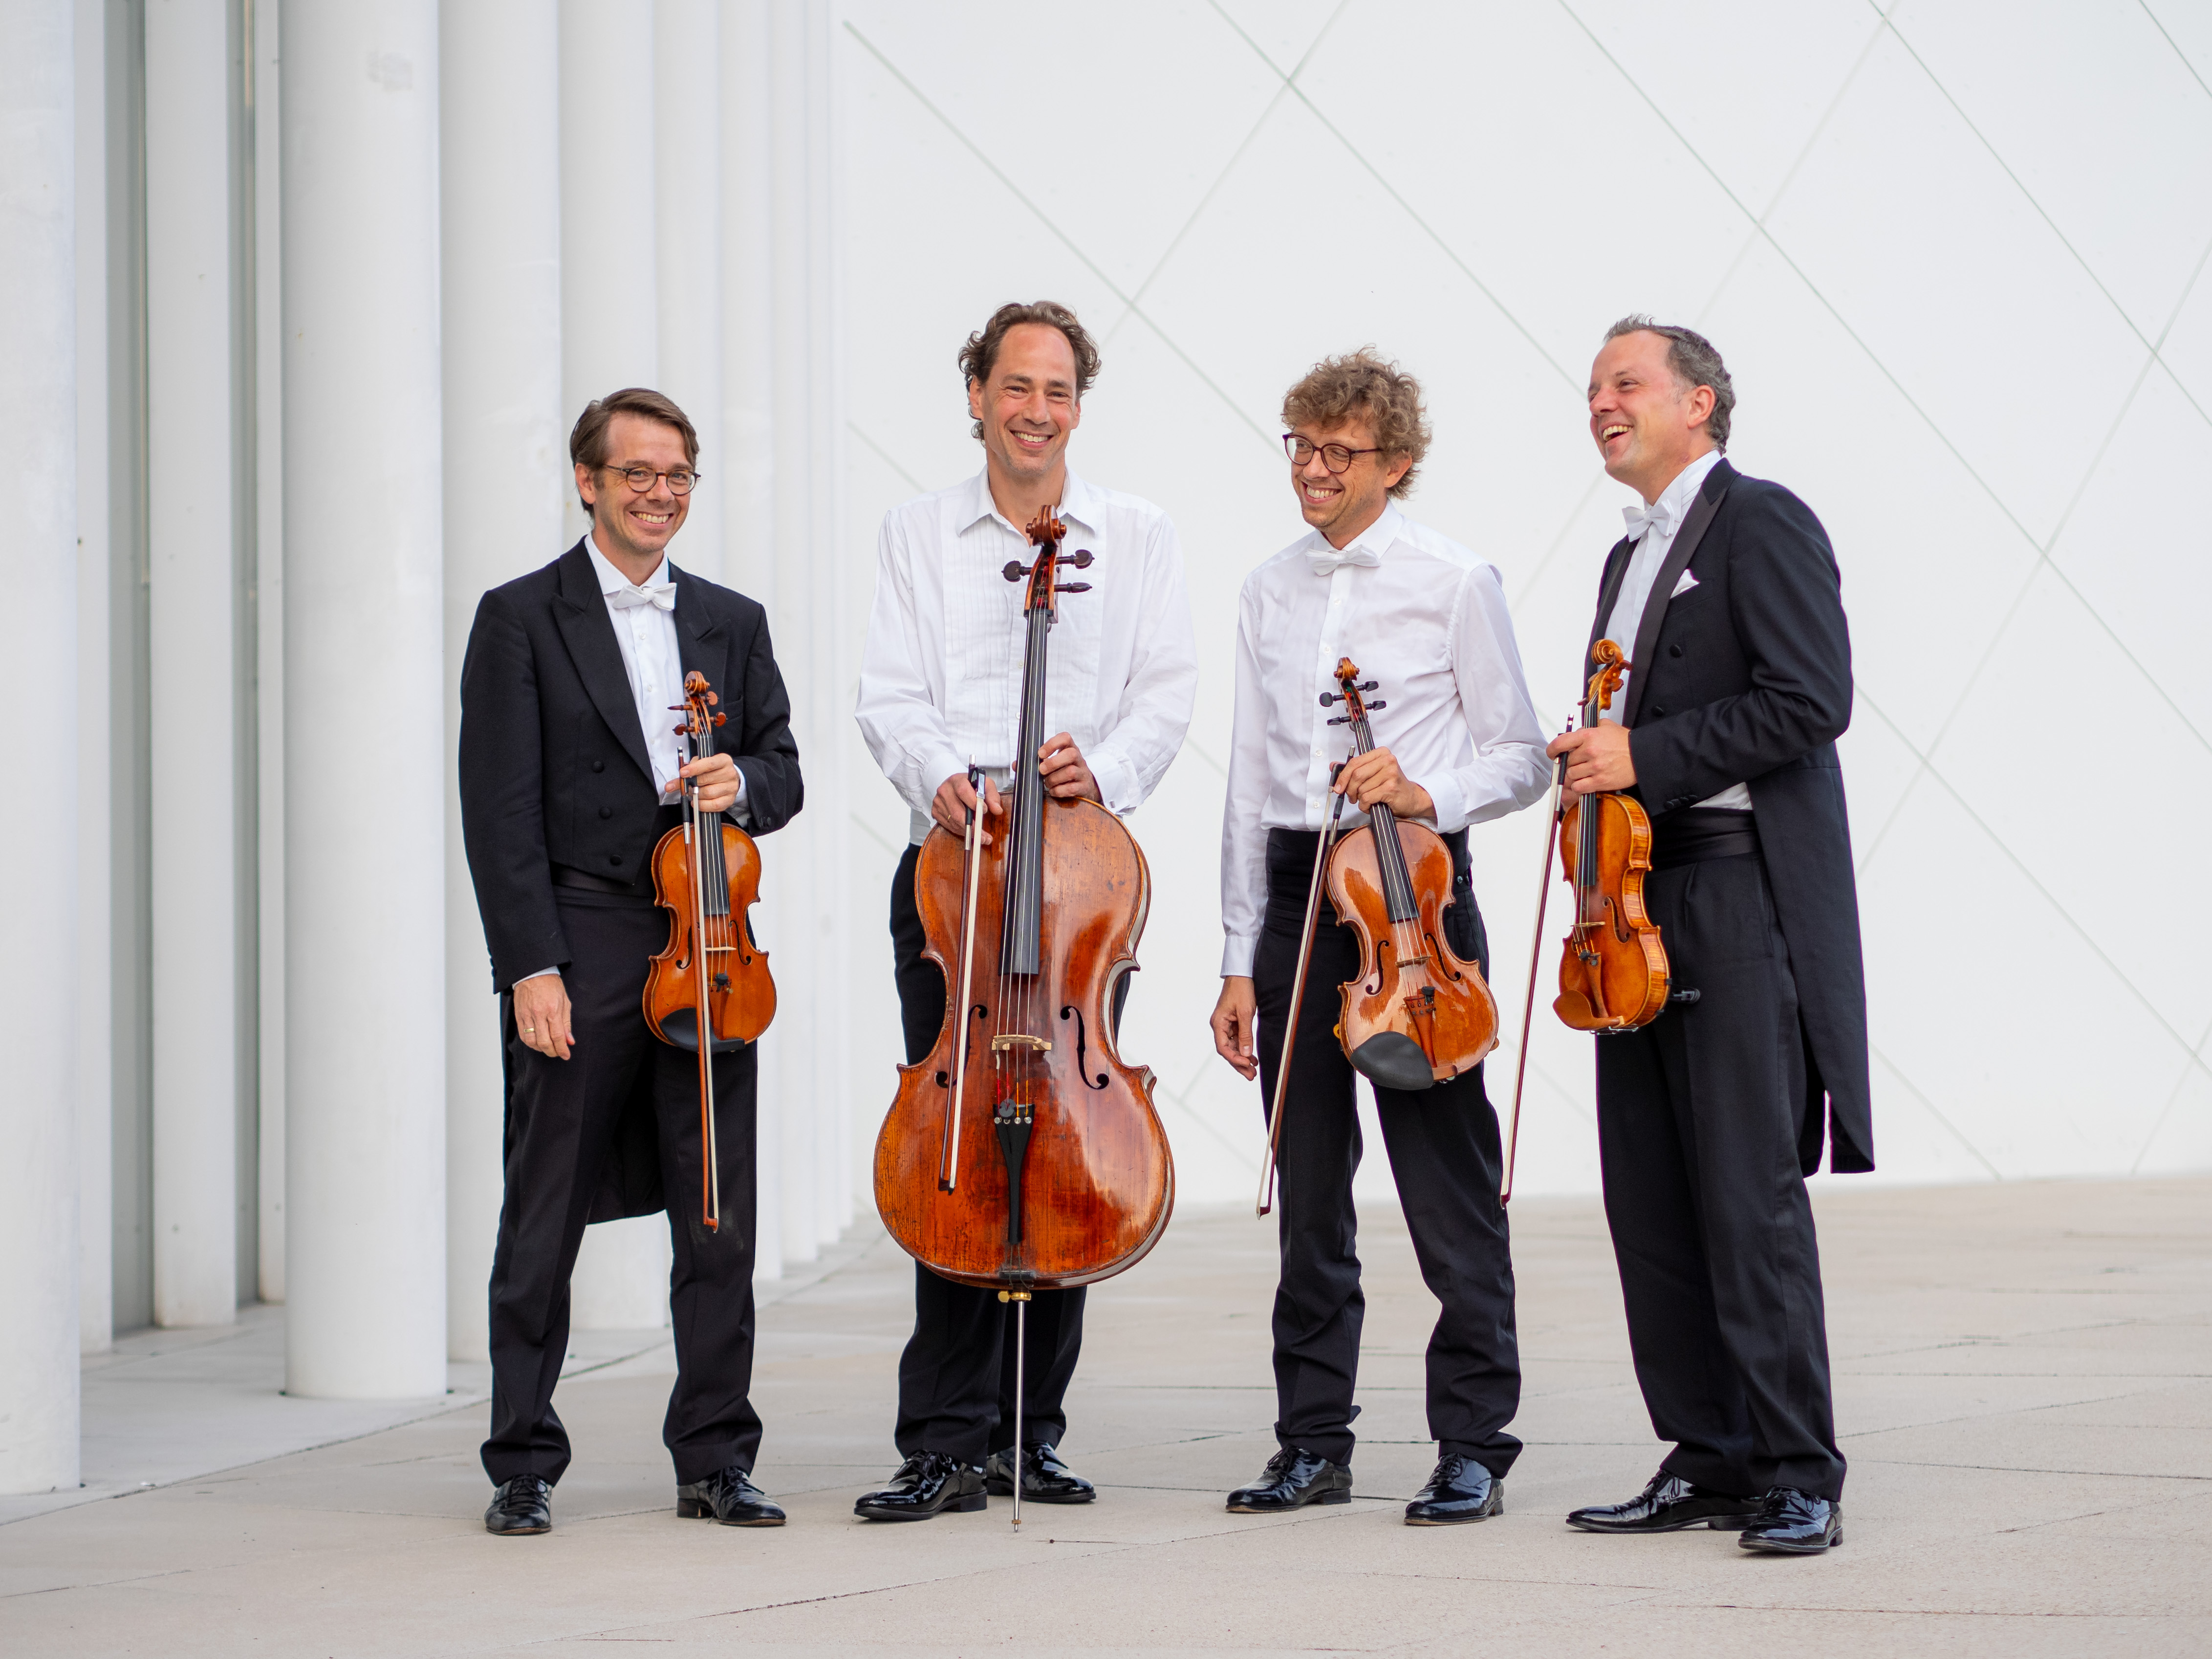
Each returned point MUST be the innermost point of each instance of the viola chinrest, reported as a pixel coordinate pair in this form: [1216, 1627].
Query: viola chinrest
[1391, 1059]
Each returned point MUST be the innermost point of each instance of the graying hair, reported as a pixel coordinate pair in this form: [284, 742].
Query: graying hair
[1694, 361]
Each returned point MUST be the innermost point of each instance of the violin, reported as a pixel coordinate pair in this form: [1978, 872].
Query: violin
[1021, 1152]
[1613, 971]
[1614, 975]
[1417, 1015]
[712, 977]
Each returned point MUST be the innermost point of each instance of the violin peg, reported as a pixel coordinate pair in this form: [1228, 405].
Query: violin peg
[1328, 697]
[721, 719]
[1370, 686]
[1014, 571]
[1080, 558]
[1071, 588]
[1373, 705]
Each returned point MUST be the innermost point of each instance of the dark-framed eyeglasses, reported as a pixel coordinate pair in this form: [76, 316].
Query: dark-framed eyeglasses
[1335, 457]
[642, 478]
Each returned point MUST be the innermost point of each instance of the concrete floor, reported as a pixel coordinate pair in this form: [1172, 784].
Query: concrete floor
[2024, 1387]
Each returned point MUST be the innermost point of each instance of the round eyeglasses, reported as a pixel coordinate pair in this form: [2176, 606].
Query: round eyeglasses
[641, 478]
[1335, 457]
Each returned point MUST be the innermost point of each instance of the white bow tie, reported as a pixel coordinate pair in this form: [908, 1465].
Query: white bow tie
[1327, 560]
[1659, 516]
[661, 596]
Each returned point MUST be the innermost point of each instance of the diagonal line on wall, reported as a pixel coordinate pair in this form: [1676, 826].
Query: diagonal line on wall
[1230, 165]
[1405, 206]
[2028, 196]
[1934, 774]
[2157, 1124]
[886, 457]
[1897, 384]
[1064, 239]
[1921, 1095]
[2178, 51]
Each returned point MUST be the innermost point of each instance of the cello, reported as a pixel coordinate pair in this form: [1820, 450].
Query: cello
[711, 977]
[1417, 1015]
[1022, 1153]
[1614, 975]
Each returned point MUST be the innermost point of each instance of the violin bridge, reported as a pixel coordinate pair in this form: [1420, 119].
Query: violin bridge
[1042, 1045]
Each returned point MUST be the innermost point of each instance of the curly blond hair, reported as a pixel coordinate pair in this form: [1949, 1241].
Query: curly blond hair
[1365, 383]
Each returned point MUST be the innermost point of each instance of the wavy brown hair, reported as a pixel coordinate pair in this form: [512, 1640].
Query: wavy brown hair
[1368, 386]
[981, 355]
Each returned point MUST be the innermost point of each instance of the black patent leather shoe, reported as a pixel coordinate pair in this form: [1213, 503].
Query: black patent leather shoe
[1794, 1522]
[1460, 1490]
[1669, 1503]
[1294, 1478]
[730, 1498]
[927, 1484]
[1045, 1479]
[521, 1506]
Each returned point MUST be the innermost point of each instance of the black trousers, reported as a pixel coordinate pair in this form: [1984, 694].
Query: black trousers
[956, 1376]
[1699, 1119]
[1445, 1154]
[563, 1121]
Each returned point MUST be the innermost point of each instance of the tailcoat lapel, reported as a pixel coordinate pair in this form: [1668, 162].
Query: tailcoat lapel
[1700, 519]
[581, 612]
[699, 636]
[1616, 572]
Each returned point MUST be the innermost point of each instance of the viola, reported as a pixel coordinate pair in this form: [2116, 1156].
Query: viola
[1417, 1015]
[712, 976]
[1614, 975]
[1023, 1152]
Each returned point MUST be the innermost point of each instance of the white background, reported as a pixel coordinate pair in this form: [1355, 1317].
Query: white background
[1955, 255]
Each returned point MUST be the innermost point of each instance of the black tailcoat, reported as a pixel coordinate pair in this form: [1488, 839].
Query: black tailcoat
[1747, 678]
[554, 768]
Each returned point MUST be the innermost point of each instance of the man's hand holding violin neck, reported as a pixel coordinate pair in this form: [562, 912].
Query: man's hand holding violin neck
[1374, 780]
[1599, 762]
[955, 799]
[716, 777]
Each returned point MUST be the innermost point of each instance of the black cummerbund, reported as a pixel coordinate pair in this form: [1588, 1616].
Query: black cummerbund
[583, 881]
[1692, 835]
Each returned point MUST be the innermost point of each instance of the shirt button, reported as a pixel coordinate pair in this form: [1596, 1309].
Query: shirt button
[614, 858]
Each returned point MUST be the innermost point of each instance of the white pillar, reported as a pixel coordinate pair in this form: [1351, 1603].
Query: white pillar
[499, 159]
[364, 742]
[748, 474]
[268, 508]
[687, 109]
[95, 703]
[830, 688]
[609, 339]
[192, 598]
[798, 866]
[39, 745]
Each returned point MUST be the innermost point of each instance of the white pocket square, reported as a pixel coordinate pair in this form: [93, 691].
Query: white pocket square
[1687, 581]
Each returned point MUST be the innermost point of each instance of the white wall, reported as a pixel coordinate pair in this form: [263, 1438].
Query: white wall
[1955, 258]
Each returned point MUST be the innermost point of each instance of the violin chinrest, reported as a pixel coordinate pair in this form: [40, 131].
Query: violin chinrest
[1391, 1059]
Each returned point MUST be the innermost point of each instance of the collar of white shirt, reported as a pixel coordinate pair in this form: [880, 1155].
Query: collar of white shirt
[1078, 505]
[1367, 548]
[1673, 503]
[612, 580]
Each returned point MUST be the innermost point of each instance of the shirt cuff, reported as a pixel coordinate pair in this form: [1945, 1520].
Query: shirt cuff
[1448, 800]
[1237, 952]
[936, 769]
[1117, 783]
[540, 973]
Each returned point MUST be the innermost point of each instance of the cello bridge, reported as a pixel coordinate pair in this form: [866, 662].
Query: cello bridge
[1042, 1045]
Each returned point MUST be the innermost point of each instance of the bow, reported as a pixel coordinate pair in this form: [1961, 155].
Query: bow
[1662, 516]
[661, 596]
[1328, 560]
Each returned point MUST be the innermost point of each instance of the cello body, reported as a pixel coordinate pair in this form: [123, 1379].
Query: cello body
[1463, 1017]
[1091, 1110]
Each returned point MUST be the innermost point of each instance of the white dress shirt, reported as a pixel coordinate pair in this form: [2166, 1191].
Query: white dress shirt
[941, 676]
[1656, 528]
[645, 629]
[1424, 618]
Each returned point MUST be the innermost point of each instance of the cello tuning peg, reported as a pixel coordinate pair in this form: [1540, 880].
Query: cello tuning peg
[1071, 588]
[1015, 570]
[1080, 558]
